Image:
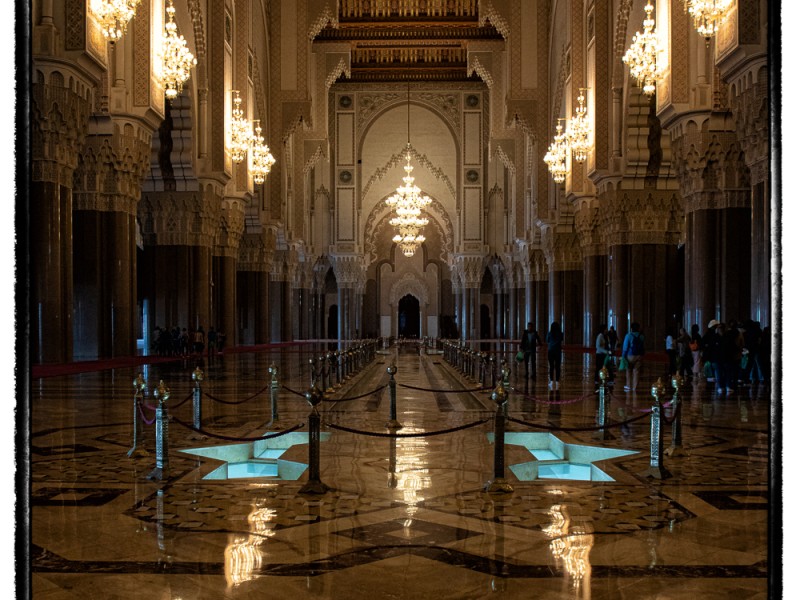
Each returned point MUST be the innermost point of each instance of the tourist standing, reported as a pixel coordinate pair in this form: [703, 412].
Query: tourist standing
[528, 344]
[633, 352]
[554, 340]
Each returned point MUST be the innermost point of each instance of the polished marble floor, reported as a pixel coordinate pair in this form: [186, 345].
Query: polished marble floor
[405, 517]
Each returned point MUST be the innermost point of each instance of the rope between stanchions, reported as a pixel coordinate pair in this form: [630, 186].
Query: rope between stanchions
[184, 401]
[375, 391]
[145, 419]
[408, 435]
[554, 402]
[221, 401]
[237, 439]
[413, 387]
[554, 428]
[295, 392]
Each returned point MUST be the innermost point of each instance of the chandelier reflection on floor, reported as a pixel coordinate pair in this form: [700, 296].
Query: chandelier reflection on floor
[408, 201]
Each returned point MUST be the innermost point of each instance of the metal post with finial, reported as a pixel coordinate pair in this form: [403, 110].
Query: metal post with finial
[139, 386]
[656, 468]
[392, 423]
[499, 485]
[602, 409]
[161, 393]
[274, 388]
[197, 404]
[314, 485]
[676, 448]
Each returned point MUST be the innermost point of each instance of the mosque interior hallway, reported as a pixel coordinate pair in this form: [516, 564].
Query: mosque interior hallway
[405, 517]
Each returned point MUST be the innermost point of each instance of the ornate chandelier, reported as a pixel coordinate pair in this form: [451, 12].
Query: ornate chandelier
[408, 202]
[556, 157]
[708, 15]
[579, 130]
[262, 158]
[642, 56]
[239, 142]
[176, 59]
[113, 16]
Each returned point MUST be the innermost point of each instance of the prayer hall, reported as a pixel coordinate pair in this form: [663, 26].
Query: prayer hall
[398, 299]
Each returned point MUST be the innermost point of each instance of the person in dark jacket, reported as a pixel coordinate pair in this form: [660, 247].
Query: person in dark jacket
[711, 348]
[528, 344]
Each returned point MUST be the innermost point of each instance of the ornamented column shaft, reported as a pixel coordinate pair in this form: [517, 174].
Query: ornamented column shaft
[566, 284]
[58, 122]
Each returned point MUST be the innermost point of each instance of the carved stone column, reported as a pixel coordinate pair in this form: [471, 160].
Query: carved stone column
[226, 255]
[178, 235]
[540, 311]
[58, 127]
[277, 283]
[254, 260]
[642, 229]
[349, 272]
[714, 182]
[566, 283]
[471, 266]
[595, 269]
[107, 187]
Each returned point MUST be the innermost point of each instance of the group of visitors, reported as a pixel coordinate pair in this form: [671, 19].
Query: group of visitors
[728, 354]
[185, 342]
[731, 354]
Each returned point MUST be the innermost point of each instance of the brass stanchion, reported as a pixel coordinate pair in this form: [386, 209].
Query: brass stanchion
[602, 412]
[274, 387]
[139, 386]
[676, 448]
[197, 404]
[499, 485]
[314, 485]
[392, 423]
[656, 468]
[161, 393]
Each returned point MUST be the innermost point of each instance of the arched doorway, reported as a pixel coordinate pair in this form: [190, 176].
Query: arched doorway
[408, 317]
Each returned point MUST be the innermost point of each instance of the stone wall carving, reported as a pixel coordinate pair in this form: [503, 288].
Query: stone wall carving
[348, 268]
[178, 218]
[494, 11]
[59, 118]
[641, 217]
[409, 283]
[400, 158]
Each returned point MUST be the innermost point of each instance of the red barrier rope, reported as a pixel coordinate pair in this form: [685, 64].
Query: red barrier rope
[147, 422]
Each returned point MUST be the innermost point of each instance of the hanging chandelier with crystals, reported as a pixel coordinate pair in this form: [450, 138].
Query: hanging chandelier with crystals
[578, 131]
[176, 59]
[556, 157]
[113, 16]
[239, 142]
[262, 159]
[408, 202]
[642, 56]
[708, 15]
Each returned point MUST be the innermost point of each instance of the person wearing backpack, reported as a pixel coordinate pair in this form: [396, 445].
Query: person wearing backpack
[633, 351]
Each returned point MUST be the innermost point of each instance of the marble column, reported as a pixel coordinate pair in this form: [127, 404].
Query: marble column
[275, 307]
[594, 296]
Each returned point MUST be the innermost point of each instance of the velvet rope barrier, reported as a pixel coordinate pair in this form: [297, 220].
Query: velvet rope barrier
[182, 402]
[421, 389]
[408, 435]
[221, 401]
[595, 428]
[554, 402]
[141, 412]
[375, 391]
[235, 439]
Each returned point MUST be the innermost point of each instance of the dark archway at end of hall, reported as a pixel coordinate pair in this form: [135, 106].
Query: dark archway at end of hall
[408, 317]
